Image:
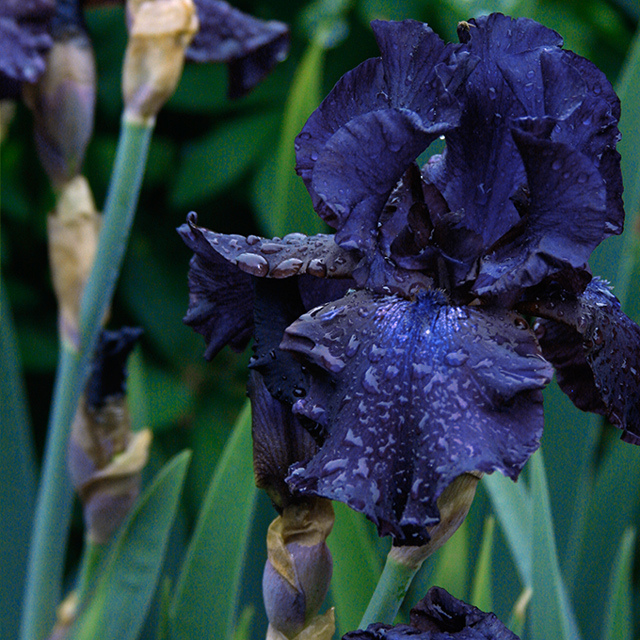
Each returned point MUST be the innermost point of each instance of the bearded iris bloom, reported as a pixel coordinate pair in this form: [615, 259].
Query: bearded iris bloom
[400, 343]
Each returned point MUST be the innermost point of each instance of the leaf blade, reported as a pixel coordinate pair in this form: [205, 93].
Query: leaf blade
[122, 596]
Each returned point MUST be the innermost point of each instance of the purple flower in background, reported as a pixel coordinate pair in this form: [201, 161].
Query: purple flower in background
[399, 342]
[440, 616]
[250, 47]
[25, 40]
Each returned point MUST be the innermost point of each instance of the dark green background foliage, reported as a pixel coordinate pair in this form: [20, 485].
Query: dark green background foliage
[232, 162]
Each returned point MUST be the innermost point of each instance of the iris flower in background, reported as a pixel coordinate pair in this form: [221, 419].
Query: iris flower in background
[439, 616]
[25, 40]
[400, 343]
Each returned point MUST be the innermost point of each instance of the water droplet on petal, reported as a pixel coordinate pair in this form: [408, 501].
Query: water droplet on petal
[254, 264]
[456, 358]
[287, 268]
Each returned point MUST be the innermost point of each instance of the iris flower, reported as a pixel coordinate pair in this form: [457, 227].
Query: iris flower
[439, 616]
[401, 342]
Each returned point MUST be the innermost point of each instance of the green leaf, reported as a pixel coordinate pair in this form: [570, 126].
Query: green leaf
[121, 599]
[481, 593]
[205, 603]
[245, 620]
[281, 199]
[17, 473]
[512, 505]
[618, 619]
[356, 566]
[550, 610]
[219, 159]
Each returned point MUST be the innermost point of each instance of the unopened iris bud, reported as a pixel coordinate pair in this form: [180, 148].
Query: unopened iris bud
[159, 33]
[73, 238]
[105, 457]
[298, 572]
[63, 99]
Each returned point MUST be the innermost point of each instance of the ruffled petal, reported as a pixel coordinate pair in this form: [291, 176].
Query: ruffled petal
[374, 123]
[413, 394]
[439, 616]
[524, 75]
[595, 349]
[564, 217]
[481, 168]
[250, 47]
[221, 291]
[220, 294]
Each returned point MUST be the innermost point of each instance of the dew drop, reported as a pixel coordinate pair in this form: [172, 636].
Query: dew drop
[254, 264]
[556, 165]
[317, 268]
[598, 338]
[287, 268]
[456, 358]
[270, 248]
[352, 346]
[370, 381]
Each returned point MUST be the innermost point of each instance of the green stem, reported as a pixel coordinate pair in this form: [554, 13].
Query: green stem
[390, 591]
[53, 508]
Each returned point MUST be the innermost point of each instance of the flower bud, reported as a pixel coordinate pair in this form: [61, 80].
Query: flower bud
[159, 33]
[105, 457]
[73, 238]
[63, 99]
[298, 570]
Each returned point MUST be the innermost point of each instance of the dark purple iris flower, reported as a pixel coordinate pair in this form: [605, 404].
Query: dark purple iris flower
[399, 342]
[250, 47]
[440, 616]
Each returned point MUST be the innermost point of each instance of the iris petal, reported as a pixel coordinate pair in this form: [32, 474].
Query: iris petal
[439, 616]
[413, 394]
[595, 349]
[25, 40]
[551, 237]
[250, 47]
[392, 107]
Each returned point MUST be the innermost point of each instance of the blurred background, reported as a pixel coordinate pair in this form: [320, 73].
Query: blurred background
[232, 162]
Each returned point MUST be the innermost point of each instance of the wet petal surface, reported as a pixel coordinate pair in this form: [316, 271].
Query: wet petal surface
[595, 349]
[413, 394]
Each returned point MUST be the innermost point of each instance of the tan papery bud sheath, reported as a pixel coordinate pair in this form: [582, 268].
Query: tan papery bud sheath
[159, 34]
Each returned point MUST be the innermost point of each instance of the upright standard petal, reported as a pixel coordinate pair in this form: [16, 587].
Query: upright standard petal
[527, 98]
[413, 394]
[563, 219]
[374, 123]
